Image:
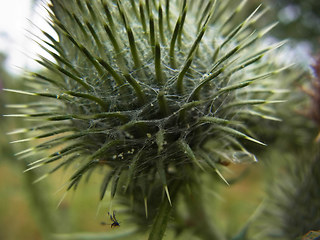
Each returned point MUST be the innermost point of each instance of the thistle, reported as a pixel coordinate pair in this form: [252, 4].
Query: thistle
[154, 93]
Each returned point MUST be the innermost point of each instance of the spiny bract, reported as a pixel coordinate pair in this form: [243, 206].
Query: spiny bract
[143, 86]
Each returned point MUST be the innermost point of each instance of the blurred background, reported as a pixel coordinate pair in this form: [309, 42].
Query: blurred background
[30, 210]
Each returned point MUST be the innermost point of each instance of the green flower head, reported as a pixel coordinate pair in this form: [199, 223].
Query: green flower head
[153, 92]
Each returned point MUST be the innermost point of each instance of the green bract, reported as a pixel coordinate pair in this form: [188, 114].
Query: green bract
[158, 91]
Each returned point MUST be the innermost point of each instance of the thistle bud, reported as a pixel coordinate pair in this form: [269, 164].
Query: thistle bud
[157, 91]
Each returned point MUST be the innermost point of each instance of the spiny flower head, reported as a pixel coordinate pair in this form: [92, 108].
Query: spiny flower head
[154, 90]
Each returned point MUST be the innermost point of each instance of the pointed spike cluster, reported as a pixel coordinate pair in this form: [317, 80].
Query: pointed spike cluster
[140, 86]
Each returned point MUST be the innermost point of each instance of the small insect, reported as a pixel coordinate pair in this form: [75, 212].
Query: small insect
[114, 220]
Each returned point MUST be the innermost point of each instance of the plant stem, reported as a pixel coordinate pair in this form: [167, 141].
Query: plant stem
[160, 223]
[201, 222]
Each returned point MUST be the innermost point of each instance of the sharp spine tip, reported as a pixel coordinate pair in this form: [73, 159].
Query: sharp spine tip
[168, 195]
[22, 140]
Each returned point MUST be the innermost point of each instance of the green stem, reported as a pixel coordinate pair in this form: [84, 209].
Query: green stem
[203, 226]
[161, 221]
[160, 224]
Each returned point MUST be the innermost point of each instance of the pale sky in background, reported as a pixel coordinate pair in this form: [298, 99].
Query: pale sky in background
[15, 16]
